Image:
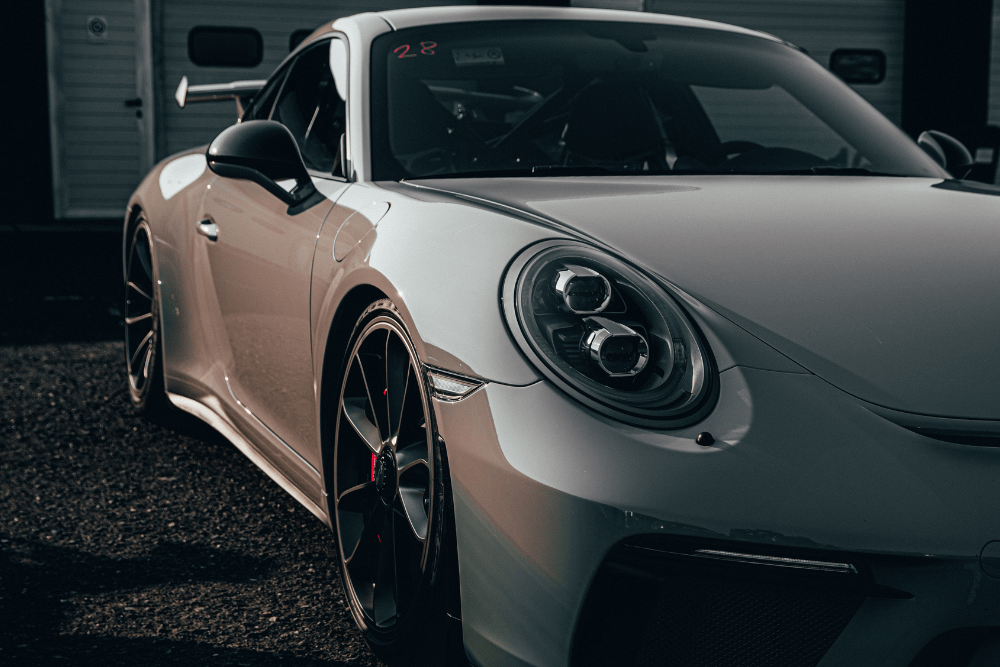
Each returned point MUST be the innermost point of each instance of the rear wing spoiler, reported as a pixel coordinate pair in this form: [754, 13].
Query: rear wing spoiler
[241, 91]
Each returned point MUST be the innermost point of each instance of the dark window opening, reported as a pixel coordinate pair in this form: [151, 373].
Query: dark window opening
[212, 46]
[309, 106]
[858, 65]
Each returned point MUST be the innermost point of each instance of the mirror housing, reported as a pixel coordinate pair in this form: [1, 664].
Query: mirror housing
[947, 151]
[262, 151]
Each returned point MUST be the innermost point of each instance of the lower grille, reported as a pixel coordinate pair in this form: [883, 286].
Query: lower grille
[705, 622]
[672, 602]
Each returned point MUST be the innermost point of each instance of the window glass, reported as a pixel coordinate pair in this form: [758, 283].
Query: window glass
[560, 97]
[772, 117]
[260, 108]
[309, 106]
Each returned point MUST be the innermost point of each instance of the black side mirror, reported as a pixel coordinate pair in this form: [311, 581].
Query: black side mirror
[262, 151]
[947, 151]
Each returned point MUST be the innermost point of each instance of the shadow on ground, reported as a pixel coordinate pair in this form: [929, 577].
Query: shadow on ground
[39, 582]
[126, 543]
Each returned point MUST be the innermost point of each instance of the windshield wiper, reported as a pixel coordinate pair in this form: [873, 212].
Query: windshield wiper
[544, 170]
[587, 170]
[821, 171]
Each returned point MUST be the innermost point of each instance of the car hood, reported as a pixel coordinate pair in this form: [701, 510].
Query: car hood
[888, 288]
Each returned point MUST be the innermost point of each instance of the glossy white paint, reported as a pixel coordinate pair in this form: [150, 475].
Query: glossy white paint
[886, 287]
[798, 462]
[401, 19]
[180, 173]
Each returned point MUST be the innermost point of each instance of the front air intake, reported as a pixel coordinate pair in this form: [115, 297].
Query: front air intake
[710, 622]
[674, 602]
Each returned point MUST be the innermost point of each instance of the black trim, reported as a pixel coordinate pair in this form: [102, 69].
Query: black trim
[246, 50]
[851, 72]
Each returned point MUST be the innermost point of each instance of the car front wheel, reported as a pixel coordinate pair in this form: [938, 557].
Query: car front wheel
[390, 499]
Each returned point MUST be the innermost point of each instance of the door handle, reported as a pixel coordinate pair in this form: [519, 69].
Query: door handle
[134, 102]
[208, 228]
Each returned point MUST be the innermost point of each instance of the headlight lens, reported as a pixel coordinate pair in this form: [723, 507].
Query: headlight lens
[608, 335]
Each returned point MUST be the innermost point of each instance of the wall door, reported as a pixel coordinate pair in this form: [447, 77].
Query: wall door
[100, 110]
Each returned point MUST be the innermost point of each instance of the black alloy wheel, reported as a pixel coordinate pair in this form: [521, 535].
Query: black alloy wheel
[389, 497]
[142, 326]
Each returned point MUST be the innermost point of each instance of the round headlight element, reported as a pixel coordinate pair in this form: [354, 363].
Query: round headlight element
[583, 291]
[639, 361]
[616, 349]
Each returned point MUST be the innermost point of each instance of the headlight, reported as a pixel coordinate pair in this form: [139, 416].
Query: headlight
[608, 336]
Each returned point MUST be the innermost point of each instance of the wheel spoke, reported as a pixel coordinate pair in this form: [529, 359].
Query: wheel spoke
[373, 370]
[142, 344]
[411, 417]
[138, 318]
[413, 455]
[354, 411]
[148, 362]
[412, 500]
[365, 551]
[357, 498]
[397, 373]
[142, 252]
[408, 556]
[386, 589]
[140, 290]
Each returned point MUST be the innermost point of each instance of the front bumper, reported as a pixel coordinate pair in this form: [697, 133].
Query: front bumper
[544, 490]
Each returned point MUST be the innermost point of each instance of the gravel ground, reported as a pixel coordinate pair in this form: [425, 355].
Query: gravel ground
[122, 542]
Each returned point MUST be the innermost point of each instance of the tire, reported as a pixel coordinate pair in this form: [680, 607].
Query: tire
[143, 345]
[391, 500]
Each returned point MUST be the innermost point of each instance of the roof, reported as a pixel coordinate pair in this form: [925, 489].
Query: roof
[400, 19]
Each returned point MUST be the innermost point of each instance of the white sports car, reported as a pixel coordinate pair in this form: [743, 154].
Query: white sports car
[597, 338]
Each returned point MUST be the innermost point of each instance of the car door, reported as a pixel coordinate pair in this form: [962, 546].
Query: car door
[261, 259]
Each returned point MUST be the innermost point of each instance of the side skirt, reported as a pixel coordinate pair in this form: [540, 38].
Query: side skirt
[223, 426]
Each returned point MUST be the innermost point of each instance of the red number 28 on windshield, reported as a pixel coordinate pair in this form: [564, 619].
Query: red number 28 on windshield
[426, 49]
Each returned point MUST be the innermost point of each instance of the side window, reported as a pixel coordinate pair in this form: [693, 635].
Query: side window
[309, 106]
[260, 107]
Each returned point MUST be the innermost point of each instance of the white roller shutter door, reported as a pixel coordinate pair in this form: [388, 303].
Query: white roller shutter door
[99, 145]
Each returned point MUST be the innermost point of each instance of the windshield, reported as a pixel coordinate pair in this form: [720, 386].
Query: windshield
[581, 97]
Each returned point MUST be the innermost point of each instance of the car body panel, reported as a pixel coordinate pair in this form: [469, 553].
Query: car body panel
[853, 278]
[400, 19]
[259, 267]
[457, 240]
[797, 463]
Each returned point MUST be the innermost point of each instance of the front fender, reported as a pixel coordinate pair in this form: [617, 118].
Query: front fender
[441, 264]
